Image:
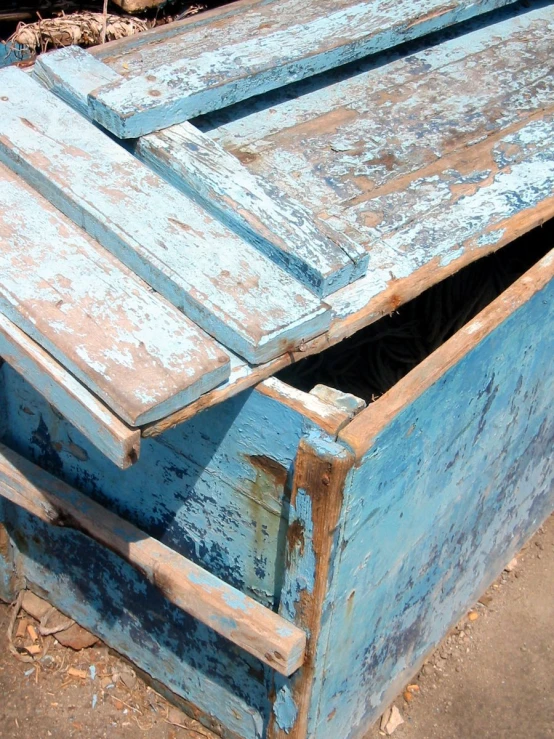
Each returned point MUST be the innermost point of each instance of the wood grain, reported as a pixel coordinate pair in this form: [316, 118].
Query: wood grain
[319, 257]
[126, 344]
[92, 418]
[259, 631]
[265, 45]
[221, 282]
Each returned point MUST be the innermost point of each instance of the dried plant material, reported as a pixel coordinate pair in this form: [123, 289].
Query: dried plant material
[32, 632]
[83, 29]
[53, 622]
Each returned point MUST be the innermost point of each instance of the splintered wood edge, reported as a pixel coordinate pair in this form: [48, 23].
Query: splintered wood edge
[397, 293]
[361, 432]
[79, 406]
[235, 616]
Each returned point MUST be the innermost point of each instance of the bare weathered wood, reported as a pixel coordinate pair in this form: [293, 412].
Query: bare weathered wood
[242, 620]
[126, 344]
[259, 46]
[92, 418]
[218, 279]
[319, 257]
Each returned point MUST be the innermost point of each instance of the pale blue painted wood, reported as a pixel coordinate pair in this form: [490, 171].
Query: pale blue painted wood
[127, 345]
[111, 436]
[447, 493]
[320, 258]
[244, 622]
[219, 280]
[282, 42]
[391, 190]
[109, 597]
[215, 488]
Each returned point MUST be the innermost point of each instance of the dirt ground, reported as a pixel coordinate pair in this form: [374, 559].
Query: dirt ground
[492, 677]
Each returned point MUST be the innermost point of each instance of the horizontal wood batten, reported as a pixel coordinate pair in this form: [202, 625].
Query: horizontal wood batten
[362, 430]
[230, 613]
[319, 257]
[282, 42]
[111, 436]
[222, 283]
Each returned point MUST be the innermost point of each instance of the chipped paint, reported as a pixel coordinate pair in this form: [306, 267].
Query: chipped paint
[285, 709]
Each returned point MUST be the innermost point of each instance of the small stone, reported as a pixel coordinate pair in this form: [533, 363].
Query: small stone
[176, 717]
[128, 678]
[512, 564]
[393, 722]
[34, 606]
[485, 600]
[76, 638]
[473, 615]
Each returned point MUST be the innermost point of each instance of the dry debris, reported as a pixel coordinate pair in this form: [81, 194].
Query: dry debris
[84, 29]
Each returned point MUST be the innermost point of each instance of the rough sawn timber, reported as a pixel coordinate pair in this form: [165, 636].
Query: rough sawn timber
[319, 257]
[80, 407]
[246, 623]
[256, 47]
[219, 280]
[126, 344]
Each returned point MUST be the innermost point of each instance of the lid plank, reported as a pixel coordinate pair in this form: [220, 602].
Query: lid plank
[126, 344]
[82, 409]
[219, 280]
[260, 46]
[319, 257]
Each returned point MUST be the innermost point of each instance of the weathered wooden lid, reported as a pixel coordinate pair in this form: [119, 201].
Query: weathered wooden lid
[186, 262]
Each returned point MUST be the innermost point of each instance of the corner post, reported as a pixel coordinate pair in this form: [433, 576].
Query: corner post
[320, 473]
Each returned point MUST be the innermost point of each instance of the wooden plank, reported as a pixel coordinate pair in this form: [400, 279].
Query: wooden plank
[226, 610]
[82, 409]
[219, 280]
[319, 257]
[453, 483]
[127, 345]
[282, 42]
[514, 196]
[361, 432]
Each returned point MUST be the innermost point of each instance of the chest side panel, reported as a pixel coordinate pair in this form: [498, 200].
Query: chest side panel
[448, 491]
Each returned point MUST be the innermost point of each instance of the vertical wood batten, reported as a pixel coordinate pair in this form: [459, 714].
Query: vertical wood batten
[321, 468]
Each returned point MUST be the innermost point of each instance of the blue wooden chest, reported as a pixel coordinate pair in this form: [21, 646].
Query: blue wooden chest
[277, 331]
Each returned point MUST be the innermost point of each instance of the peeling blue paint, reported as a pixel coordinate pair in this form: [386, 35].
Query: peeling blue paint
[285, 709]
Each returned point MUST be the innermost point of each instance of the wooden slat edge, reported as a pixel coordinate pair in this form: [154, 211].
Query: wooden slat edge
[362, 430]
[328, 417]
[281, 228]
[170, 94]
[89, 415]
[230, 613]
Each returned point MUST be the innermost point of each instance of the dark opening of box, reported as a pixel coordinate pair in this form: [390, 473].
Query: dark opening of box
[373, 360]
